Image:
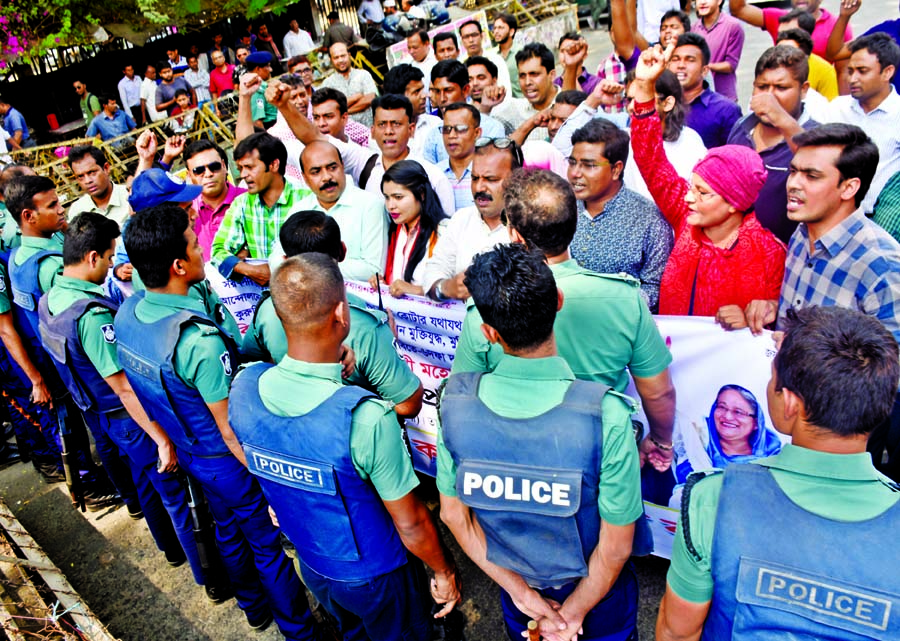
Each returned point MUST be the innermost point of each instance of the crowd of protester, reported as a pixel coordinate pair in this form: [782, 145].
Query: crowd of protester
[565, 206]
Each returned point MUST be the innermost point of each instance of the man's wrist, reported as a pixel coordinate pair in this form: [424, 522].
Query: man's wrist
[664, 444]
[437, 292]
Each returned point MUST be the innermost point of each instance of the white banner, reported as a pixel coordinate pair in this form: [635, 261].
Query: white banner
[238, 296]
[720, 380]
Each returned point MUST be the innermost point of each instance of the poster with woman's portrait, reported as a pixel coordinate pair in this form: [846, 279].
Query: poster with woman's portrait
[722, 415]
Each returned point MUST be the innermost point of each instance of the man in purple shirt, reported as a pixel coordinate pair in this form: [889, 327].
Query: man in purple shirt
[207, 166]
[725, 37]
[711, 115]
[573, 50]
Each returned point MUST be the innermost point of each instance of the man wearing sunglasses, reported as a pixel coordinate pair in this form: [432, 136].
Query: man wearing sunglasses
[207, 167]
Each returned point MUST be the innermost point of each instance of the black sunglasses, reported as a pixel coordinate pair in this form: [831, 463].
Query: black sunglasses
[502, 143]
[214, 167]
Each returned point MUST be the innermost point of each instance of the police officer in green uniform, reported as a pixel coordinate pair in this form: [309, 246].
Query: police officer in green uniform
[154, 187]
[815, 563]
[604, 331]
[539, 472]
[77, 329]
[33, 267]
[180, 364]
[332, 463]
[378, 367]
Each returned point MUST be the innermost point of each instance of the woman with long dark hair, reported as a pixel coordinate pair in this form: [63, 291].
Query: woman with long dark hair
[416, 215]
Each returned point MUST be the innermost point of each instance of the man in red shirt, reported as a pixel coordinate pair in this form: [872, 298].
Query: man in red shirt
[219, 78]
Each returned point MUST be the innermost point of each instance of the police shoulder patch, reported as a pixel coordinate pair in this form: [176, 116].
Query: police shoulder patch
[2, 285]
[225, 359]
[109, 333]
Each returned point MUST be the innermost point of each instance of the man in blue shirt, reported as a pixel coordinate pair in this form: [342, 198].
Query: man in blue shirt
[112, 122]
[15, 126]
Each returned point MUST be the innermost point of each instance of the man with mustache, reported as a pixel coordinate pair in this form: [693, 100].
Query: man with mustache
[360, 217]
[101, 195]
[473, 230]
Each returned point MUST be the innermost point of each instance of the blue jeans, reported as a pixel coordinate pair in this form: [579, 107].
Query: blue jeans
[392, 607]
[613, 619]
[261, 575]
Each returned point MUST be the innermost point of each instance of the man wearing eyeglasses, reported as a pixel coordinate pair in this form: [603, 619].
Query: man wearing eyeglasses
[460, 130]
[475, 229]
[618, 230]
[207, 166]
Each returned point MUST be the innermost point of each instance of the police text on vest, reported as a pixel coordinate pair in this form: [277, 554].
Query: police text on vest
[509, 488]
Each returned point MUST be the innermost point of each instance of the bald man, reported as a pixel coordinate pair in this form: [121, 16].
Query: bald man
[352, 435]
[360, 217]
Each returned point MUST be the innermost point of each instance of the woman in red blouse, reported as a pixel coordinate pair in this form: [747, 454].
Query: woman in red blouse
[416, 215]
[723, 258]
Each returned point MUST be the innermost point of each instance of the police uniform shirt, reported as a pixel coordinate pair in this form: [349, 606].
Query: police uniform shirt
[5, 292]
[201, 358]
[95, 327]
[853, 490]
[212, 305]
[628, 338]
[294, 388]
[527, 387]
[378, 367]
[51, 267]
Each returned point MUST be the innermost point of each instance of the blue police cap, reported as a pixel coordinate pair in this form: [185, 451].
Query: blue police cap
[258, 59]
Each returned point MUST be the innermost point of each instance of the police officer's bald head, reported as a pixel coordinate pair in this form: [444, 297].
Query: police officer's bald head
[306, 289]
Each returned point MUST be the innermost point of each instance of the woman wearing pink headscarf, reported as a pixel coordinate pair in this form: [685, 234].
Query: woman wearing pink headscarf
[723, 258]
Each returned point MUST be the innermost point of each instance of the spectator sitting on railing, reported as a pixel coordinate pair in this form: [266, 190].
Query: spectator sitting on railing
[183, 112]
[111, 122]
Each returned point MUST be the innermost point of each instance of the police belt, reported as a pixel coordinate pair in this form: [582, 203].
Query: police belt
[118, 415]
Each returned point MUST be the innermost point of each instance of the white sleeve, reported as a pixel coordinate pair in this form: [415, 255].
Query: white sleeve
[353, 155]
[442, 263]
[372, 251]
[577, 119]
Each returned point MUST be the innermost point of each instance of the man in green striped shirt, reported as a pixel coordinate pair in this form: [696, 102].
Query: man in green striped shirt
[250, 226]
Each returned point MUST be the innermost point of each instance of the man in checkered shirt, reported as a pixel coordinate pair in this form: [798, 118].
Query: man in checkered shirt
[837, 256]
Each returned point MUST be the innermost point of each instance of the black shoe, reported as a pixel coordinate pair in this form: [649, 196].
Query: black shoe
[96, 501]
[135, 512]
[219, 593]
[176, 557]
[9, 456]
[49, 472]
[264, 622]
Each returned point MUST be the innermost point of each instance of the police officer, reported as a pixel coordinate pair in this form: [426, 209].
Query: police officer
[154, 187]
[76, 323]
[787, 571]
[547, 464]
[378, 367]
[344, 491]
[542, 214]
[180, 364]
[33, 266]
[21, 382]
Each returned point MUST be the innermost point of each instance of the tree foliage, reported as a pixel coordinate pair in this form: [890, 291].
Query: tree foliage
[29, 28]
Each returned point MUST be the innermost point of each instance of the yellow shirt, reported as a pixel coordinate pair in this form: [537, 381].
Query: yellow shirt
[822, 77]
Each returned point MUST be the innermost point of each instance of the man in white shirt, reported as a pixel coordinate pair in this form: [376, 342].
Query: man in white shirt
[91, 171]
[537, 70]
[394, 125]
[421, 55]
[148, 98]
[473, 42]
[406, 80]
[361, 218]
[473, 230]
[873, 104]
[130, 93]
[198, 79]
[370, 13]
[297, 41]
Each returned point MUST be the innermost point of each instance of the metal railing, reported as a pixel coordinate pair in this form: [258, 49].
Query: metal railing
[50, 159]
